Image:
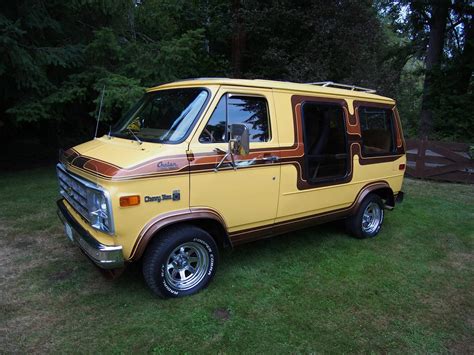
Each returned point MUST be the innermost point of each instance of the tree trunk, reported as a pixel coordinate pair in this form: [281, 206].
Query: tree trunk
[238, 39]
[466, 59]
[131, 20]
[439, 17]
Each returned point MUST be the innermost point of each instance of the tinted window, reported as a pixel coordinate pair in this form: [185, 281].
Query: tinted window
[377, 130]
[325, 141]
[248, 110]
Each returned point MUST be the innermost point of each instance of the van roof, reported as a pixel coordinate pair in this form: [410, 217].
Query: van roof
[273, 84]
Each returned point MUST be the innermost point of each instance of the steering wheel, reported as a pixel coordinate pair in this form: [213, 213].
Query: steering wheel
[210, 136]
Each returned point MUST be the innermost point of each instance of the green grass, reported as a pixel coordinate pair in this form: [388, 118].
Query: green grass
[408, 290]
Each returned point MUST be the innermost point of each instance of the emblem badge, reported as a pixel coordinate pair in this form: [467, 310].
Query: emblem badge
[176, 196]
[167, 165]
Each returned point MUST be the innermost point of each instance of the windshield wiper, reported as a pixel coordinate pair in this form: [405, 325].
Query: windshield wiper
[135, 136]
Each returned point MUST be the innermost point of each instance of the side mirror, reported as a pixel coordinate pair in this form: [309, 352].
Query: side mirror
[239, 142]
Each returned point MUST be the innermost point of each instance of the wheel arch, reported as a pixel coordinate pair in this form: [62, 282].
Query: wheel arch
[380, 188]
[386, 194]
[204, 218]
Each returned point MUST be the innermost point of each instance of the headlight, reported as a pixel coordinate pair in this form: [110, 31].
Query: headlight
[99, 210]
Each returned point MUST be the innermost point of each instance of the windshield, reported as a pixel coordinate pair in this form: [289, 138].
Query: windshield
[163, 116]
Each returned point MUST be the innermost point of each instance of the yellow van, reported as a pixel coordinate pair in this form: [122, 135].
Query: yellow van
[201, 164]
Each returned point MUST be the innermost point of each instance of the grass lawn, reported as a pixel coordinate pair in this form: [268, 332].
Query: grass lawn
[411, 289]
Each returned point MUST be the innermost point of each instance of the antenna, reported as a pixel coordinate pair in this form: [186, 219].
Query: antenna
[100, 110]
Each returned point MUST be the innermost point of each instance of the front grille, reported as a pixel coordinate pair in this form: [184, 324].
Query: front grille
[74, 191]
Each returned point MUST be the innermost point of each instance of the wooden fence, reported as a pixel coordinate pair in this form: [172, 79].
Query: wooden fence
[439, 161]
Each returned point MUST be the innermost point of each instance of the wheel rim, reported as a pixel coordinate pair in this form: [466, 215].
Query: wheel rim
[372, 218]
[186, 266]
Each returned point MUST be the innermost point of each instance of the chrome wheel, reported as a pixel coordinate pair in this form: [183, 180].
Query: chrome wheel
[187, 266]
[372, 218]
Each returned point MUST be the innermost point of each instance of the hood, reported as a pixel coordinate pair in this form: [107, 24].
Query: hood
[118, 159]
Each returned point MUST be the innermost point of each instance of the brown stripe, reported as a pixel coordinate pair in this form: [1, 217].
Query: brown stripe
[290, 155]
[252, 234]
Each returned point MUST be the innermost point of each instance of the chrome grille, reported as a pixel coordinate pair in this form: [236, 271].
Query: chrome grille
[73, 190]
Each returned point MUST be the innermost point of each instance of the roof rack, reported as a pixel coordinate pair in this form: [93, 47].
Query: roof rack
[343, 86]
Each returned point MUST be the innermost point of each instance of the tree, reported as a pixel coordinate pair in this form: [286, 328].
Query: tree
[466, 56]
[439, 35]
[437, 25]
[308, 41]
[58, 55]
[238, 38]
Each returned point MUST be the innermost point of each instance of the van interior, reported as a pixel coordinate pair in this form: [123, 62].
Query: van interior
[325, 141]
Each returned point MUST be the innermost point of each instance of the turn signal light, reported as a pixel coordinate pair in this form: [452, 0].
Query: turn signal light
[401, 167]
[127, 201]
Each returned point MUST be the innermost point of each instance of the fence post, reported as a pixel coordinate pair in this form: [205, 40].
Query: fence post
[420, 159]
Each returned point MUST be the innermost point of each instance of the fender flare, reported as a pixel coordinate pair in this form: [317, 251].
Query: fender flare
[370, 188]
[164, 220]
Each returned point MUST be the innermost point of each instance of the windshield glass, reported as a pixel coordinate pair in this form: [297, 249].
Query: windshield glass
[163, 116]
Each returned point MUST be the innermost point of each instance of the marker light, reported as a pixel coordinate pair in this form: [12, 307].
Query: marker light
[127, 201]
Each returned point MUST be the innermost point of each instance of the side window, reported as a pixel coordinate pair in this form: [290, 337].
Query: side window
[216, 128]
[325, 141]
[377, 130]
[249, 110]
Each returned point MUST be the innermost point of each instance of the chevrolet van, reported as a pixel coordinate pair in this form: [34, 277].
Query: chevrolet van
[203, 164]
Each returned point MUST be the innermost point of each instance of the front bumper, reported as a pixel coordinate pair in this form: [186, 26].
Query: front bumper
[104, 256]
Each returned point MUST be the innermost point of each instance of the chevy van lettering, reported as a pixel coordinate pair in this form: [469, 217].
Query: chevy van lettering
[152, 198]
[176, 196]
[338, 154]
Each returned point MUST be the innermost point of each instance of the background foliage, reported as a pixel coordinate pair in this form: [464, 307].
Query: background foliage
[56, 56]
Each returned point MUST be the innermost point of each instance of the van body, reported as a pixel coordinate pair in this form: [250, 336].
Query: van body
[202, 164]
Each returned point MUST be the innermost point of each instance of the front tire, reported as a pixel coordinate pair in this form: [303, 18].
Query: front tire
[367, 221]
[180, 262]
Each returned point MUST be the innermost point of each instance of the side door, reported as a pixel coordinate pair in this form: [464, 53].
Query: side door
[317, 171]
[246, 196]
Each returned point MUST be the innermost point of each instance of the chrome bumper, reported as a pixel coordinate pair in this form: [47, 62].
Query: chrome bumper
[104, 256]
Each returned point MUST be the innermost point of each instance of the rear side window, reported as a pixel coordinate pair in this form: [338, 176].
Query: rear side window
[249, 110]
[377, 127]
[325, 144]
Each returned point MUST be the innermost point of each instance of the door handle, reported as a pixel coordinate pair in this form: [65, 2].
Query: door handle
[272, 158]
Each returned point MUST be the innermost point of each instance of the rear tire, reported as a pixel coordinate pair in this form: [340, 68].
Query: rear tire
[180, 262]
[367, 221]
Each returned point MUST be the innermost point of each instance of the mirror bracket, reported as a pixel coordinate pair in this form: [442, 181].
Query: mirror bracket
[225, 157]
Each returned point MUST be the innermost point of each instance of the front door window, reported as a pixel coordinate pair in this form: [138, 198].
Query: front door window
[249, 110]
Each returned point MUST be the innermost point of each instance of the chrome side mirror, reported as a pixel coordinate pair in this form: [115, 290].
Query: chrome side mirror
[239, 142]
